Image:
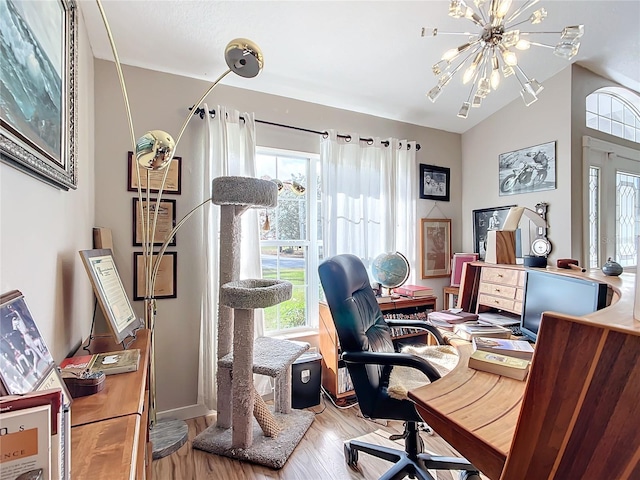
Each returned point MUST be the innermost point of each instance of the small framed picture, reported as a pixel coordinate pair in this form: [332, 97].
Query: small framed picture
[165, 223]
[435, 239]
[435, 182]
[531, 169]
[166, 280]
[25, 358]
[173, 183]
[484, 220]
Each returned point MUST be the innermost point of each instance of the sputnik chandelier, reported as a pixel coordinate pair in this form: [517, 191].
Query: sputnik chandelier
[491, 49]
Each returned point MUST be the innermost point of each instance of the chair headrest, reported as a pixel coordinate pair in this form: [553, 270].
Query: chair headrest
[342, 276]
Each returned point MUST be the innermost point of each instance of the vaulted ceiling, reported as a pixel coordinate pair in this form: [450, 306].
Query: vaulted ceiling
[365, 56]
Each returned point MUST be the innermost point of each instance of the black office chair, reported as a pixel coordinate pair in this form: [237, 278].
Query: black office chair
[367, 350]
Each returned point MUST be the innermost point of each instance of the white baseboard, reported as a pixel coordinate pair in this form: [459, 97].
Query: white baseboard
[185, 413]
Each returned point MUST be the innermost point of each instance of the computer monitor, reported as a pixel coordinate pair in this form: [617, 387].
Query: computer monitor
[545, 291]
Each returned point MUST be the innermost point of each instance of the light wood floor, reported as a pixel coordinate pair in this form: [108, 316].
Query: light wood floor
[319, 456]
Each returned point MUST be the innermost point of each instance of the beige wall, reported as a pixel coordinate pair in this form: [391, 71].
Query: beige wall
[514, 127]
[43, 228]
[160, 101]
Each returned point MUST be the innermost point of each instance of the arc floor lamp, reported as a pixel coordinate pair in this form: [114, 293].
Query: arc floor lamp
[153, 152]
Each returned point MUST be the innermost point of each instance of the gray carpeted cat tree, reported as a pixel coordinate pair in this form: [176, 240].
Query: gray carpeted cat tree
[235, 435]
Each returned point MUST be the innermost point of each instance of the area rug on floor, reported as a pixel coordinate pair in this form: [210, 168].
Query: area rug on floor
[270, 452]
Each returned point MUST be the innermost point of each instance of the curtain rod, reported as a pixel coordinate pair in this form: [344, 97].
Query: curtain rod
[201, 112]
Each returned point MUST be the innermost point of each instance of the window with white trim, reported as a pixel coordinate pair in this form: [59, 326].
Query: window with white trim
[609, 110]
[290, 237]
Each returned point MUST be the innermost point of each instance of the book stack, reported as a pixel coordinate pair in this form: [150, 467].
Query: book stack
[469, 330]
[502, 346]
[414, 291]
[36, 435]
[344, 380]
[110, 363]
[511, 367]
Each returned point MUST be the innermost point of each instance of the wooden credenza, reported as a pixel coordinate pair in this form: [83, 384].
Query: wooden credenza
[501, 288]
[109, 429]
[333, 370]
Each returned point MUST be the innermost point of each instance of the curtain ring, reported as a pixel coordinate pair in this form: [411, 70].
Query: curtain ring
[369, 141]
[325, 134]
[347, 138]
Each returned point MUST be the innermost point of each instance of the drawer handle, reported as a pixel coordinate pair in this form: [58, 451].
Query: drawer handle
[496, 290]
[500, 275]
[496, 301]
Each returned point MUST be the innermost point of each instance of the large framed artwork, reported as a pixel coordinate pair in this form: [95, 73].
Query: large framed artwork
[435, 182]
[435, 239]
[484, 220]
[38, 108]
[527, 170]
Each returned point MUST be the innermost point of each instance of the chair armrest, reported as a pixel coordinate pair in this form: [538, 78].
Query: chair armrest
[393, 359]
[393, 322]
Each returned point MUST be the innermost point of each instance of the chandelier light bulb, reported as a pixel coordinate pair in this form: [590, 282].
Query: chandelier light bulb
[495, 79]
[469, 73]
[450, 54]
[523, 44]
[503, 8]
[508, 56]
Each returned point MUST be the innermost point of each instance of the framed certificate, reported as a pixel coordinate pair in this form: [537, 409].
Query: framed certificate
[165, 222]
[109, 290]
[173, 183]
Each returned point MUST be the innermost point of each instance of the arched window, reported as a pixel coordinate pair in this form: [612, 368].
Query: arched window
[615, 111]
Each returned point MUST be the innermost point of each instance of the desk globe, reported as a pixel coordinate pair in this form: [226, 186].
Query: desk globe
[390, 270]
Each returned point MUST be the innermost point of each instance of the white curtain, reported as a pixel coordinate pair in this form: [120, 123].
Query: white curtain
[229, 146]
[369, 195]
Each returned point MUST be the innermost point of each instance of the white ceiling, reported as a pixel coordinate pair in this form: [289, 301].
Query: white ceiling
[365, 56]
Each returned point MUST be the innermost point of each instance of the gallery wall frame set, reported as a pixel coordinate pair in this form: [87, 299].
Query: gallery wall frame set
[485, 219]
[38, 118]
[435, 247]
[173, 184]
[435, 182]
[166, 281]
[527, 170]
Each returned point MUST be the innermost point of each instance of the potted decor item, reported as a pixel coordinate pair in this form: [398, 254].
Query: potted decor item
[612, 268]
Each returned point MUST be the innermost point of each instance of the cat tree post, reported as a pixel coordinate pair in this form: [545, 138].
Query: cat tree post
[234, 195]
[244, 297]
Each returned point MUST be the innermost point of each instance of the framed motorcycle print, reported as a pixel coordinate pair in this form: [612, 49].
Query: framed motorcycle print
[531, 169]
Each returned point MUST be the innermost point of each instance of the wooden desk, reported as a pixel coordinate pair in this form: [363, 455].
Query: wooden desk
[478, 413]
[109, 434]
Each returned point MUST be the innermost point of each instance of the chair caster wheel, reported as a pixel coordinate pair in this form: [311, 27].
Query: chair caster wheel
[351, 457]
[469, 475]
